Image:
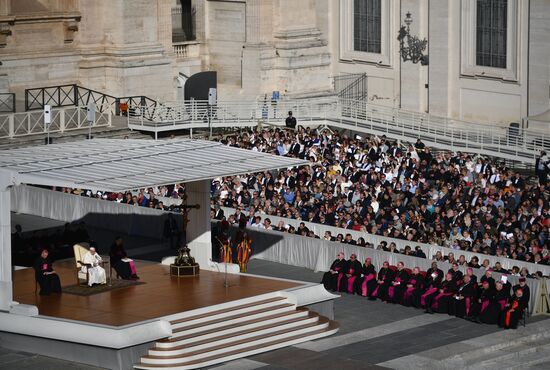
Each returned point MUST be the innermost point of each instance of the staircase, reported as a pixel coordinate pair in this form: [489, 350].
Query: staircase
[525, 348]
[234, 330]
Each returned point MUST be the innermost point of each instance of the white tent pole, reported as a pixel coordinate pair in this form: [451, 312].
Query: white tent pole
[7, 179]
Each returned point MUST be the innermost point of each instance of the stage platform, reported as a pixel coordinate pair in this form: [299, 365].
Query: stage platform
[160, 295]
[165, 321]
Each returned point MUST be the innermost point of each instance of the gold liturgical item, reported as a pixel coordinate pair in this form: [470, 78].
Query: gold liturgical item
[184, 265]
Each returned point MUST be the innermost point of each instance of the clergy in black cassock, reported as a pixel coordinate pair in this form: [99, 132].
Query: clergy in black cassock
[461, 304]
[385, 278]
[332, 278]
[45, 275]
[513, 311]
[413, 288]
[351, 273]
[440, 303]
[398, 285]
[486, 295]
[491, 315]
[367, 282]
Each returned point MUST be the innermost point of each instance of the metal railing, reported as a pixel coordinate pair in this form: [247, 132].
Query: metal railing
[522, 145]
[74, 95]
[7, 103]
[62, 120]
[351, 86]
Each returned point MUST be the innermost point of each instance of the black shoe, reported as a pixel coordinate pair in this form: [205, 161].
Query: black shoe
[372, 299]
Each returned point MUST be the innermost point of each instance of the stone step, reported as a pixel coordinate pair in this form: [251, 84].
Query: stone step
[229, 310]
[492, 346]
[175, 341]
[516, 357]
[236, 344]
[238, 318]
[251, 349]
[259, 329]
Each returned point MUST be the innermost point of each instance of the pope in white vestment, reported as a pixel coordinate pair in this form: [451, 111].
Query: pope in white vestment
[96, 272]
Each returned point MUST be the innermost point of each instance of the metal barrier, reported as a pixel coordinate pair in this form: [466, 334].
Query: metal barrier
[74, 95]
[62, 120]
[356, 115]
[7, 103]
[350, 86]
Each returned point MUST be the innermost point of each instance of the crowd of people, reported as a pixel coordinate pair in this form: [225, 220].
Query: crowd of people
[483, 300]
[377, 186]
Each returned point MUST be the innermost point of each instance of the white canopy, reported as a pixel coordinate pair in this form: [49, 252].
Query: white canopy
[120, 165]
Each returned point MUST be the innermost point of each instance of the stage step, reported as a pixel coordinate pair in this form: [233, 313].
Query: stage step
[175, 341]
[227, 311]
[234, 331]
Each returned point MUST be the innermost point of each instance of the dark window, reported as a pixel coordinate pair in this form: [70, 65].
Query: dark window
[492, 22]
[183, 22]
[367, 25]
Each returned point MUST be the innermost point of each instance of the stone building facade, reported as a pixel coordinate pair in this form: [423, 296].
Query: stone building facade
[488, 60]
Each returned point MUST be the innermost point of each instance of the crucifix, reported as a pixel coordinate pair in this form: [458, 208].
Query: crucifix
[184, 207]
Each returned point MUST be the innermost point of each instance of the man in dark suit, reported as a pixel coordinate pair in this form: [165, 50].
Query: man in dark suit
[290, 121]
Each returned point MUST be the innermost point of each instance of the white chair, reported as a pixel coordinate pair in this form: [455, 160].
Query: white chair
[79, 251]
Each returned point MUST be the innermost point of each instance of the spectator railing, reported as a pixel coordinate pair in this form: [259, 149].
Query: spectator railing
[429, 250]
[522, 145]
[7, 103]
[62, 120]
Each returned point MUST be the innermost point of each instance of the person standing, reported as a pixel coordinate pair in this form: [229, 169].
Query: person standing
[45, 274]
[541, 167]
[171, 231]
[290, 121]
[244, 251]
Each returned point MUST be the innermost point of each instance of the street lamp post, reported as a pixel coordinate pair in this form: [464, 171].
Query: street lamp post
[411, 47]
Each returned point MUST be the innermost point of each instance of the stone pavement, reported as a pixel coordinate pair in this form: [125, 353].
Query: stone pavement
[14, 360]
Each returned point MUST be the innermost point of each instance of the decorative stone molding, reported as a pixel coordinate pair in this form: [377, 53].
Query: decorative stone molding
[5, 31]
[468, 66]
[70, 29]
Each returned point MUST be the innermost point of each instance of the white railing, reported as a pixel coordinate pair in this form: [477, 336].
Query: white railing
[187, 49]
[62, 120]
[360, 116]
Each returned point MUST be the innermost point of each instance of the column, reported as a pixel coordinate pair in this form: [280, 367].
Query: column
[6, 289]
[441, 53]
[164, 24]
[198, 228]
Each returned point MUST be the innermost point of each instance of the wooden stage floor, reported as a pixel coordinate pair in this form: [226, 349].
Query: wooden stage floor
[161, 295]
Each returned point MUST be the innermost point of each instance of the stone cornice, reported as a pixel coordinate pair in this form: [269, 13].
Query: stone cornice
[41, 17]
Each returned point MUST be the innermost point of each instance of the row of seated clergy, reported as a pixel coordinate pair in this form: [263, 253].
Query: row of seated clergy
[486, 301]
